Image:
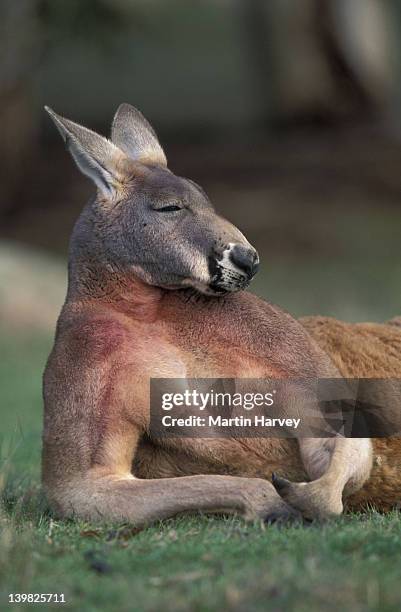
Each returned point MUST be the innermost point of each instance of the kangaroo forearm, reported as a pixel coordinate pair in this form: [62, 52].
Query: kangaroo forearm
[143, 501]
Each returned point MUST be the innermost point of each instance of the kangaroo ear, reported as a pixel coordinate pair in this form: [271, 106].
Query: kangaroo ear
[94, 155]
[136, 137]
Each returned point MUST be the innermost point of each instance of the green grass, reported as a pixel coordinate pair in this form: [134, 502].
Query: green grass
[197, 563]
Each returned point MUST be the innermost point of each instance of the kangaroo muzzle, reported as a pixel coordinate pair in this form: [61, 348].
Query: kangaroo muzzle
[233, 268]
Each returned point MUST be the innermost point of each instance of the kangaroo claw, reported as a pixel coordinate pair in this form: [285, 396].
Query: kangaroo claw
[280, 484]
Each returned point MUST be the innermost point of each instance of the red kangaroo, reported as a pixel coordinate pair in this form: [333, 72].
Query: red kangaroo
[141, 247]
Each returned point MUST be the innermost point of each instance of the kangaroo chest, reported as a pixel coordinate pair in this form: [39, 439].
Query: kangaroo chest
[240, 339]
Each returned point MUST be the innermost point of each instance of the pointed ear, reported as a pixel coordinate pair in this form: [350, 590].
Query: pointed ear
[94, 155]
[136, 137]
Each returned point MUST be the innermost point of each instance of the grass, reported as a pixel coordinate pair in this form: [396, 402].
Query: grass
[196, 563]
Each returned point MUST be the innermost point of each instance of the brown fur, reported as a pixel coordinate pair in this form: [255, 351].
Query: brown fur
[367, 350]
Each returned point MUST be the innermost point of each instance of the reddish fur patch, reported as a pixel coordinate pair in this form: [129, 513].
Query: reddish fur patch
[99, 337]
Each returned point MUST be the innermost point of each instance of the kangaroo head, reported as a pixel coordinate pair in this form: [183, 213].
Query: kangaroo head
[147, 220]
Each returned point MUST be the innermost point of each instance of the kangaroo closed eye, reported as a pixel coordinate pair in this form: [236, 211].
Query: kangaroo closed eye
[171, 208]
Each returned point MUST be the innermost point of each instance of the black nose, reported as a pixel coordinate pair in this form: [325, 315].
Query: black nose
[245, 259]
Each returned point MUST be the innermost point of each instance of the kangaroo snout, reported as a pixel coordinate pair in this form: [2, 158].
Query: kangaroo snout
[233, 268]
[245, 258]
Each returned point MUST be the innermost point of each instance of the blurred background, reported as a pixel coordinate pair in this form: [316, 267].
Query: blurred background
[287, 113]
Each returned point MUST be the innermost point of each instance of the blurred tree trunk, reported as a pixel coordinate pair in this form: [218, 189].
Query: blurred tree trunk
[321, 60]
[19, 49]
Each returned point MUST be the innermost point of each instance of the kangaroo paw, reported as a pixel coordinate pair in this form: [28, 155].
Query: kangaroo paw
[285, 515]
[315, 500]
[262, 502]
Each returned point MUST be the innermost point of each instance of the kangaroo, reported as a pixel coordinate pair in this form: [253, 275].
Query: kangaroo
[142, 247]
